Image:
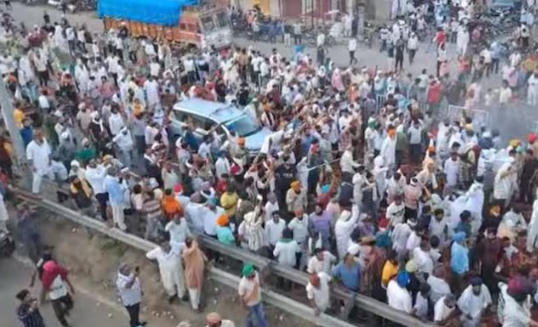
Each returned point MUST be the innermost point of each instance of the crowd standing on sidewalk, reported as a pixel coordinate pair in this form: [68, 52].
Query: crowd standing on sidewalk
[360, 182]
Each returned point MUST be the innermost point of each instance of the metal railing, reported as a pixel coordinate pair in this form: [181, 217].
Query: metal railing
[293, 307]
[265, 266]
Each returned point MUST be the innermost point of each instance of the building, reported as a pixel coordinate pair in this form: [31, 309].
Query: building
[315, 9]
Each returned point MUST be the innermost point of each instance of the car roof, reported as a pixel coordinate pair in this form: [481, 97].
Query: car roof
[219, 112]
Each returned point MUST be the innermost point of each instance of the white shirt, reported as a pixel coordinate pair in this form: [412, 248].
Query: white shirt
[487, 56]
[320, 39]
[43, 102]
[395, 213]
[412, 43]
[451, 170]
[274, 230]
[441, 311]
[321, 294]
[39, 154]
[399, 298]
[129, 296]
[439, 288]
[533, 82]
[352, 45]
[210, 219]
[505, 94]
[115, 123]
[113, 65]
[285, 252]
[246, 287]
[167, 260]
[155, 69]
[222, 166]
[347, 163]
[317, 266]
[502, 187]
[189, 65]
[299, 228]
[269, 208]
[415, 135]
[124, 141]
[515, 314]
[96, 178]
[57, 288]
[423, 260]
[421, 306]
[178, 231]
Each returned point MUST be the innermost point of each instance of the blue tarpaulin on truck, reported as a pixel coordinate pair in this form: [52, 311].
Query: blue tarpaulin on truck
[158, 12]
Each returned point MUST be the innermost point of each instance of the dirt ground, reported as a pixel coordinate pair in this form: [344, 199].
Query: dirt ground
[93, 261]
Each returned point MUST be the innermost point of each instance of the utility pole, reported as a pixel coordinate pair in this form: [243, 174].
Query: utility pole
[14, 134]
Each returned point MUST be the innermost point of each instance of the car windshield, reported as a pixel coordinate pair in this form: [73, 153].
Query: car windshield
[222, 19]
[243, 126]
[207, 23]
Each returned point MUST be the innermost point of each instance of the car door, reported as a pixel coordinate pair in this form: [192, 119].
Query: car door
[177, 122]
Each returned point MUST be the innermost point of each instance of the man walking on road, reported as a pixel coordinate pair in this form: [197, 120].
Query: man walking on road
[55, 282]
[250, 293]
[28, 310]
[352, 47]
[130, 293]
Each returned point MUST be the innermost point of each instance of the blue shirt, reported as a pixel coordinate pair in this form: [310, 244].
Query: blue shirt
[27, 133]
[349, 276]
[225, 235]
[191, 141]
[30, 318]
[495, 51]
[115, 192]
[459, 258]
[306, 143]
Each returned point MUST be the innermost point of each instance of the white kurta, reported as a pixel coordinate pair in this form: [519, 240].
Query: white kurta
[472, 306]
[343, 229]
[533, 228]
[170, 269]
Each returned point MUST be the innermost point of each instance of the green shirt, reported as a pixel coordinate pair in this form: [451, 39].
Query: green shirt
[86, 155]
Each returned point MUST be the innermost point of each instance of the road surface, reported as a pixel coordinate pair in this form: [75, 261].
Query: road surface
[89, 311]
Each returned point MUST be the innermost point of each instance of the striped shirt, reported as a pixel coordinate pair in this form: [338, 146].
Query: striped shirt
[152, 208]
[30, 317]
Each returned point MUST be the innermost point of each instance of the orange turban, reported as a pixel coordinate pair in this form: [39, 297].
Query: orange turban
[295, 184]
[241, 141]
[222, 220]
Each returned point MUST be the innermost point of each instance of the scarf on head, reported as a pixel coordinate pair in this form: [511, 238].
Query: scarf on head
[85, 188]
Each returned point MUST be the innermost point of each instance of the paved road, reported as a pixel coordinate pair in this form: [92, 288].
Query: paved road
[88, 312]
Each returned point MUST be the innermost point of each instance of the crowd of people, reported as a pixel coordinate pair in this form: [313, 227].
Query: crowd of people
[361, 184]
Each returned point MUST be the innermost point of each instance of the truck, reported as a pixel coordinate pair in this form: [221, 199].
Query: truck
[193, 22]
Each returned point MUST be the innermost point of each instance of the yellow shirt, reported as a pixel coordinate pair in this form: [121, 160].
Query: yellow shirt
[18, 115]
[389, 271]
[229, 203]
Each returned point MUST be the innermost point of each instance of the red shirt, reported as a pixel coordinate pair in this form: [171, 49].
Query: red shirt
[221, 186]
[434, 93]
[440, 37]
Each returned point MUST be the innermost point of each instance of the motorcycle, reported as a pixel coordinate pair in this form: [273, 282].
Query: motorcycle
[7, 244]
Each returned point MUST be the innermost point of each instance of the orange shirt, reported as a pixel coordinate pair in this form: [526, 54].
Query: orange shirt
[171, 206]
